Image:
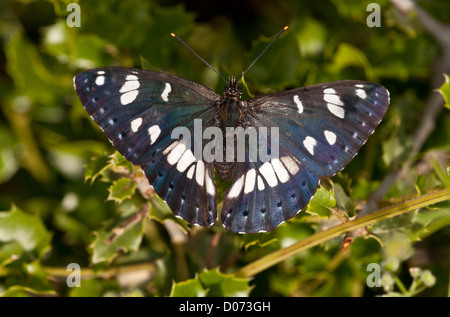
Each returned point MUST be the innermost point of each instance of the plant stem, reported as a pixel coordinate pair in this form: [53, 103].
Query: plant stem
[320, 237]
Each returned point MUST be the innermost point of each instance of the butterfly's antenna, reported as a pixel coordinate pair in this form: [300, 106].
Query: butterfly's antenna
[264, 50]
[187, 46]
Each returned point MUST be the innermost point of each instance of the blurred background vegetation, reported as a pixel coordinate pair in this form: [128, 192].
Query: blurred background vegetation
[67, 197]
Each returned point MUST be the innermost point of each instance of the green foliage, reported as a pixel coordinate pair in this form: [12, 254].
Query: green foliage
[445, 91]
[211, 283]
[67, 197]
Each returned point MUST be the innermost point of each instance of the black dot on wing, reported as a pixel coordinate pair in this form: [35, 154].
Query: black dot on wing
[245, 213]
[279, 204]
[263, 210]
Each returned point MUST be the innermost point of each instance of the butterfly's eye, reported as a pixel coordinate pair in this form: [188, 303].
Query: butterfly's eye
[233, 92]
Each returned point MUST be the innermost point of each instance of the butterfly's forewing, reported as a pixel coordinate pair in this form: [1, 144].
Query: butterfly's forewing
[321, 128]
[323, 125]
[138, 111]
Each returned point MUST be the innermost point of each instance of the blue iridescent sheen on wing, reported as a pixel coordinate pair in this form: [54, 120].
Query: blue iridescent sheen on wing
[321, 128]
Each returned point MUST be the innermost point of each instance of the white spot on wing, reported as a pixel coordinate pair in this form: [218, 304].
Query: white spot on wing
[200, 173]
[166, 91]
[128, 97]
[359, 86]
[330, 136]
[250, 181]
[190, 172]
[175, 155]
[269, 174]
[236, 188]
[260, 183]
[309, 144]
[169, 148]
[129, 85]
[336, 110]
[210, 188]
[334, 99]
[329, 91]
[185, 161]
[290, 164]
[135, 124]
[298, 103]
[154, 131]
[101, 72]
[100, 80]
[131, 77]
[361, 93]
[281, 172]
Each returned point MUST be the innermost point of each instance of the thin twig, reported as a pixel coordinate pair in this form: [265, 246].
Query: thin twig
[432, 107]
[212, 247]
[128, 222]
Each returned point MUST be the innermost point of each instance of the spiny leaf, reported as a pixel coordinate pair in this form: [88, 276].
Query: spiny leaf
[189, 288]
[96, 166]
[24, 230]
[445, 90]
[121, 189]
[212, 283]
[105, 250]
[321, 203]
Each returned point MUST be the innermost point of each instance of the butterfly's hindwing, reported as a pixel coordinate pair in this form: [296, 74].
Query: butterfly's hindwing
[138, 111]
[264, 194]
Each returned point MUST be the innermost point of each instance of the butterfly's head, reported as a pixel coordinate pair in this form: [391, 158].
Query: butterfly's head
[233, 91]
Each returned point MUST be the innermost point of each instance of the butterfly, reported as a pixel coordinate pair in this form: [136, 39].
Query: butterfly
[320, 128]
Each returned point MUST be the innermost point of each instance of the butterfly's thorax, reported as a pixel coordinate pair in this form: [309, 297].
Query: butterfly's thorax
[229, 115]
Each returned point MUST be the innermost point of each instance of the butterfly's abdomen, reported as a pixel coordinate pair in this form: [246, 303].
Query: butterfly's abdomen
[224, 169]
[228, 116]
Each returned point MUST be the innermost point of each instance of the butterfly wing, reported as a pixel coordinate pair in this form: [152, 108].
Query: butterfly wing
[265, 194]
[321, 128]
[138, 111]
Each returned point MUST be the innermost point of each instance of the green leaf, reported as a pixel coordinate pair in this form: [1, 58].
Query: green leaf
[189, 288]
[445, 91]
[212, 283]
[88, 288]
[343, 201]
[271, 70]
[24, 231]
[321, 203]
[226, 285]
[96, 166]
[349, 55]
[121, 189]
[311, 37]
[8, 162]
[105, 250]
[28, 71]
